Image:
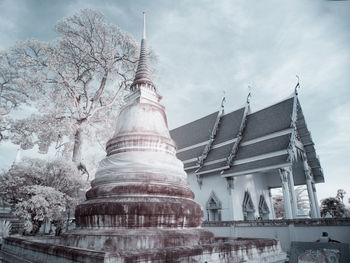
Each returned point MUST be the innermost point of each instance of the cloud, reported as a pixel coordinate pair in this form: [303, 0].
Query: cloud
[206, 47]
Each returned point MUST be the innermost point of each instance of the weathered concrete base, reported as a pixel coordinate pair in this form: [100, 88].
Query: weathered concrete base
[112, 239]
[30, 250]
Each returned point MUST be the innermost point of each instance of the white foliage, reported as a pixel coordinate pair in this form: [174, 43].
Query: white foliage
[5, 228]
[42, 190]
[77, 82]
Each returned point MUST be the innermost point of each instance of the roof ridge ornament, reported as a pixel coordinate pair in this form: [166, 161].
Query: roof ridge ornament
[297, 86]
[223, 100]
[249, 94]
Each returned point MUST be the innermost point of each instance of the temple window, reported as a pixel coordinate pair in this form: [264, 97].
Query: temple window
[264, 210]
[248, 207]
[213, 208]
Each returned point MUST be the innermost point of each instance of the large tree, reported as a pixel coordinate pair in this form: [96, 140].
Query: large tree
[77, 82]
[12, 90]
[41, 190]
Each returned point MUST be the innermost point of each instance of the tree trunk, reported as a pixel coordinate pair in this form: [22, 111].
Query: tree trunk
[78, 144]
[77, 150]
[36, 227]
[58, 225]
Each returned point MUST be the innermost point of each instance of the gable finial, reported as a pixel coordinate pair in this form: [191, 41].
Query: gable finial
[223, 100]
[144, 25]
[297, 86]
[249, 94]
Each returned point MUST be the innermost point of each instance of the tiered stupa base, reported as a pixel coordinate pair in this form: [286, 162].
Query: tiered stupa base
[43, 250]
[136, 239]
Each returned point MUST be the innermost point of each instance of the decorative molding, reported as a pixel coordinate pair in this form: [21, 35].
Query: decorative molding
[207, 148]
[307, 169]
[262, 169]
[235, 146]
[292, 149]
[260, 139]
[242, 161]
[199, 180]
[230, 183]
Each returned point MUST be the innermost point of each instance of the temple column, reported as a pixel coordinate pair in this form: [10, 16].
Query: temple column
[316, 199]
[310, 191]
[292, 192]
[286, 197]
[273, 215]
[230, 187]
[311, 196]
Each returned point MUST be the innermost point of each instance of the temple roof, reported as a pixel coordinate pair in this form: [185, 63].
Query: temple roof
[265, 144]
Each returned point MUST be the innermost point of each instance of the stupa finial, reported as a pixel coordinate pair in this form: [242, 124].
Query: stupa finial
[144, 26]
[143, 75]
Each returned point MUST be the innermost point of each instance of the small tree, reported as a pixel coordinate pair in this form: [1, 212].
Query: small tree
[41, 190]
[5, 229]
[333, 206]
[340, 195]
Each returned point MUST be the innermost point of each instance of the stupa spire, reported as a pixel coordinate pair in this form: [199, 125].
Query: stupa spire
[143, 75]
[144, 26]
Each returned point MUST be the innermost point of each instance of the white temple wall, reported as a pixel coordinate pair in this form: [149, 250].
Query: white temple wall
[216, 184]
[256, 185]
[231, 204]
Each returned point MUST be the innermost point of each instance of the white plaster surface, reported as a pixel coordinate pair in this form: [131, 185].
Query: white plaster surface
[141, 161]
[231, 202]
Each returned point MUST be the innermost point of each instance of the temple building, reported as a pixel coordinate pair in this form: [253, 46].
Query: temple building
[140, 207]
[234, 159]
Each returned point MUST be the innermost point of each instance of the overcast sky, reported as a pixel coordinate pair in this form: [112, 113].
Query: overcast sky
[208, 47]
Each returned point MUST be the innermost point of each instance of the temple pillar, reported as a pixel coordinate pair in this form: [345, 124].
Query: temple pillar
[292, 192]
[316, 200]
[273, 215]
[230, 186]
[311, 196]
[310, 191]
[286, 196]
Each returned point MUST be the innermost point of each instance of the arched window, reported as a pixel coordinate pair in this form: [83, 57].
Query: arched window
[213, 208]
[248, 207]
[264, 210]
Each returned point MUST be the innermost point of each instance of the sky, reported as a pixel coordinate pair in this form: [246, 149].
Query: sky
[209, 48]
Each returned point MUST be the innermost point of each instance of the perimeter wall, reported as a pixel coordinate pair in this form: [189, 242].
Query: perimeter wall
[286, 230]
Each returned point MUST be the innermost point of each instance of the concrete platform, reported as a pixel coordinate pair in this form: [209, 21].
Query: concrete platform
[47, 249]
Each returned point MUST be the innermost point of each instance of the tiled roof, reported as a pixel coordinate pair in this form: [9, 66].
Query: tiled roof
[264, 144]
[194, 132]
